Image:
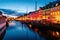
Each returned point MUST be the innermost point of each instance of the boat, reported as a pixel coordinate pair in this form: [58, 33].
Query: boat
[2, 26]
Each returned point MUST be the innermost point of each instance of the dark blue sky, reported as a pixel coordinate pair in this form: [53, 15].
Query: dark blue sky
[22, 5]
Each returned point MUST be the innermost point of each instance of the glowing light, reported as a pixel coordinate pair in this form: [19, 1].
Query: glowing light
[43, 17]
[53, 33]
[30, 25]
[57, 4]
[53, 16]
[57, 33]
[57, 17]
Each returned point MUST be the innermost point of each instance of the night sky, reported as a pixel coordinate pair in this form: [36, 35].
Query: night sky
[22, 5]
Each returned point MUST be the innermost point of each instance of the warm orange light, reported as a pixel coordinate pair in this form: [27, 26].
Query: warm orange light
[54, 34]
[57, 33]
[57, 17]
[43, 17]
[53, 16]
[36, 30]
[30, 25]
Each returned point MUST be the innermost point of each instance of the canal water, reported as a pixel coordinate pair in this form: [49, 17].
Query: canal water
[19, 31]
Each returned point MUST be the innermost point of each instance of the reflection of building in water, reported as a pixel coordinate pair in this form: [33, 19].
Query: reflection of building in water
[45, 21]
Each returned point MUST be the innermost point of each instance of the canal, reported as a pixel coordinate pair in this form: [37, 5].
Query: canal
[18, 31]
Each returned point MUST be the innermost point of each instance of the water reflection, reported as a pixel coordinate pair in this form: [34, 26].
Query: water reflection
[20, 31]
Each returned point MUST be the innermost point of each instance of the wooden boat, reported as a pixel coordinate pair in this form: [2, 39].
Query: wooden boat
[2, 26]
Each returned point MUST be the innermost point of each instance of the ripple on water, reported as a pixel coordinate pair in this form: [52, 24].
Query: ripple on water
[17, 32]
